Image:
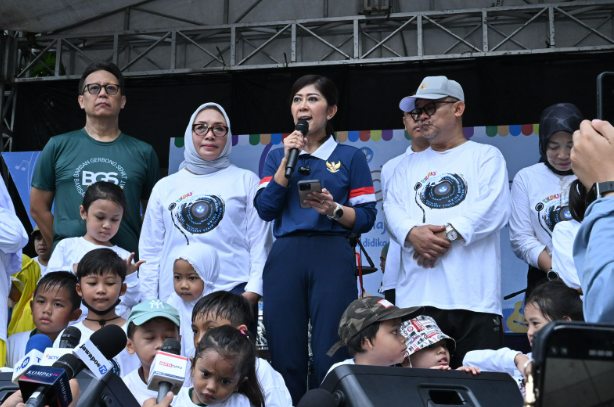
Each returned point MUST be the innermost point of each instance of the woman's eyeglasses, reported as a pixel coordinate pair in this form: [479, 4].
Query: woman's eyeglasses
[201, 130]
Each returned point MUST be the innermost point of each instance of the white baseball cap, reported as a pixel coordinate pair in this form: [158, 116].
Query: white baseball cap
[433, 87]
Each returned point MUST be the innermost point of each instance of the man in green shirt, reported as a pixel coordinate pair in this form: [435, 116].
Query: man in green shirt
[71, 162]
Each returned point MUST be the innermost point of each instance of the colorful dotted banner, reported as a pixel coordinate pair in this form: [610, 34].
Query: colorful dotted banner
[385, 135]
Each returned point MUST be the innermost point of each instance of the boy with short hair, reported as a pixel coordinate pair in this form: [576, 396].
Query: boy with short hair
[54, 304]
[101, 274]
[370, 328]
[150, 323]
[225, 308]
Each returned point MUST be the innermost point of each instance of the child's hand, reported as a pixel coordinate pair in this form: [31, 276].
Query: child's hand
[132, 267]
[166, 401]
[470, 369]
[520, 361]
[443, 367]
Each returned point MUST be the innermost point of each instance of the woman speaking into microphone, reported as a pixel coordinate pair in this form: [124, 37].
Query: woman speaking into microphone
[310, 272]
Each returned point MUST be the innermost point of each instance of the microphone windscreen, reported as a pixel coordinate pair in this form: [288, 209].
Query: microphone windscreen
[303, 126]
[317, 398]
[70, 338]
[39, 342]
[171, 345]
[110, 340]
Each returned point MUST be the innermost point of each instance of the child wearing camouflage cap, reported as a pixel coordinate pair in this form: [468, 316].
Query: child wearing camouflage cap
[370, 328]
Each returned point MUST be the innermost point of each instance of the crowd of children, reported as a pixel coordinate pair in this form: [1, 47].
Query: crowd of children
[89, 283]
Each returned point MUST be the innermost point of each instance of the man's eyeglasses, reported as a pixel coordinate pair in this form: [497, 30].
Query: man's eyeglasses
[429, 108]
[201, 130]
[94, 88]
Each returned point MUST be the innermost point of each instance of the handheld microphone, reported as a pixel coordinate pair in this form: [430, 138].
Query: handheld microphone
[317, 398]
[303, 127]
[68, 341]
[167, 373]
[44, 385]
[34, 353]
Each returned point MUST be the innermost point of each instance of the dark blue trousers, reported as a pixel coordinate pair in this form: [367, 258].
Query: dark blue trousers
[306, 277]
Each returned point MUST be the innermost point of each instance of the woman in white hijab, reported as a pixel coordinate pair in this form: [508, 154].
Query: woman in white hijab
[207, 201]
[195, 273]
[13, 238]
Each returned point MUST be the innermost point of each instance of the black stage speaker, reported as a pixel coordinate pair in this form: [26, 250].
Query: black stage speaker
[374, 386]
[6, 386]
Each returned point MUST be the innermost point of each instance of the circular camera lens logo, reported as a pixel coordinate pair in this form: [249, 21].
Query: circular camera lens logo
[555, 214]
[201, 214]
[445, 191]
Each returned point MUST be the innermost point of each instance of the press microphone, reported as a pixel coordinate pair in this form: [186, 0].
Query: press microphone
[68, 341]
[167, 373]
[34, 354]
[48, 385]
[303, 127]
[317, 398]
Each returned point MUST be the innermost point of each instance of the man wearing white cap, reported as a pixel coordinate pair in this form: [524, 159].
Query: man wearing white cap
[445, 207]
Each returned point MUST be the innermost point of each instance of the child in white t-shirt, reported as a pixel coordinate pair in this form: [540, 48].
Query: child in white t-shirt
[150, 323]
[223, 371]
[101, 274]
[427, 346]
[102, 210]
[195, 272]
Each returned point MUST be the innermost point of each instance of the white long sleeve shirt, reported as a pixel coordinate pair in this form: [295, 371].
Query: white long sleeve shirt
[13, 238]
[214, 209]
[539, 201]
[467, 187]
[563, 238]
[500, 360]
[393, 259]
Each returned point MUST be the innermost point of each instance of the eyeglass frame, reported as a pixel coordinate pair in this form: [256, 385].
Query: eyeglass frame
[419, 110]
[102, 86]
[209, 128]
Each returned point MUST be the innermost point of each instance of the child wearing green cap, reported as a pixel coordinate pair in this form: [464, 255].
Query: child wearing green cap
[150, 323]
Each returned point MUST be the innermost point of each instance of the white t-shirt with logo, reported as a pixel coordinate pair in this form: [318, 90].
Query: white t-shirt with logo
[466, 186]
[540, 200]
[138, 387]
[214, 209]
[183, 400]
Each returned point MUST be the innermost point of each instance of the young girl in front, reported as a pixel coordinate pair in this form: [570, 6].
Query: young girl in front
[102, 210]
[551, 301]
[195, 272]
[223, 371]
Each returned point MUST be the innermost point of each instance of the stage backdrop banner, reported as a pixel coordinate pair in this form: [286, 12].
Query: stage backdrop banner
[21, 167]
[518, 143]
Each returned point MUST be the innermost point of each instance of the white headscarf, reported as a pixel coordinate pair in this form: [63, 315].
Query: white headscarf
[194, 162]
[206, 263]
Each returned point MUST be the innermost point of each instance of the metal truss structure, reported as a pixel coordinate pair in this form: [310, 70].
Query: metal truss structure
[571, 27]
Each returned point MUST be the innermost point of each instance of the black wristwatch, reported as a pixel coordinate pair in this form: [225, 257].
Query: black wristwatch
[598, 189]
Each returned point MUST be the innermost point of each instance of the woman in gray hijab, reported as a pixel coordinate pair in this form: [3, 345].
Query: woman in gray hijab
[540, 193]
[209, 201]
